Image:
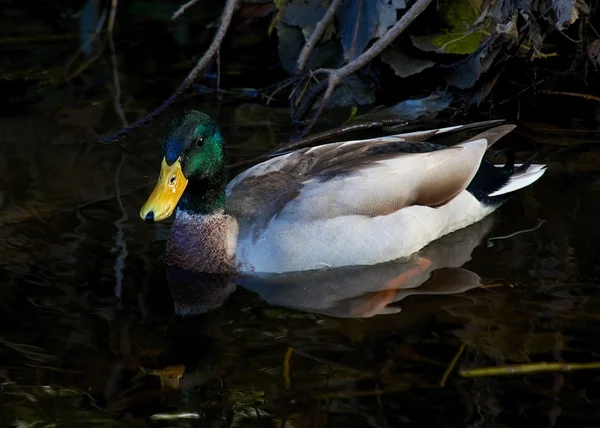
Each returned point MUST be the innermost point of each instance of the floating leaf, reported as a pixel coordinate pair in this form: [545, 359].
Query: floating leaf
[357, 22]
[461, 36]
[404, 65]
[388, 15]
[301, 13]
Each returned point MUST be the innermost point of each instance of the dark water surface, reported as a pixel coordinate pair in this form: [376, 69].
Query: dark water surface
[90, 331]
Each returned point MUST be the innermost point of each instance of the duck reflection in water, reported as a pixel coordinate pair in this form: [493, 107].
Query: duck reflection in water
[348, 292]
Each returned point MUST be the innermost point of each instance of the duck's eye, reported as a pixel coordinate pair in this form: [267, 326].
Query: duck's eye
[199, 141]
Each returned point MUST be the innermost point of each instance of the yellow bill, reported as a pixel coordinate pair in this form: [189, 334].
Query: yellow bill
[167, 192]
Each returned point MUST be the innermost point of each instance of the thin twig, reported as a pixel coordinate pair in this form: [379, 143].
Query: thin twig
[452, 364]
[522, 91]
[361, 393]
[518, 232]
[182, 8]
[120, 243]
[116, 82]
[226, 17]
[219, 95]
[83, 66]
[113, 13]
[588, 97]
[337, 76]
[97, 54]
[527, 368]
[316, 35]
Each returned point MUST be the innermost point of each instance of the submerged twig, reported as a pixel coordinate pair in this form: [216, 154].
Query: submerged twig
[116, 82]
[335, 77]
[212, 50]
[316, 35]
[528, 368]
[120, 243]
[389, 389]
[452, 364]
[588, 97]
[518, 232]
[522, 91]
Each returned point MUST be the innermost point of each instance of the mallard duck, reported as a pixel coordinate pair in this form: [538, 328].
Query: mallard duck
[348, 203]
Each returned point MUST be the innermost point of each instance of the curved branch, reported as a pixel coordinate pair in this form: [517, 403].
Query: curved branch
[337, 76]
[392, 34]
[212, 50]
[316, 35]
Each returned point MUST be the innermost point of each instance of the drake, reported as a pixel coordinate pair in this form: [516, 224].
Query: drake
[348, 203]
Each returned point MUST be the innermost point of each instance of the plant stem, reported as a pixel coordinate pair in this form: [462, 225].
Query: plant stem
[316, 35]
[337, 76]
[212, 50]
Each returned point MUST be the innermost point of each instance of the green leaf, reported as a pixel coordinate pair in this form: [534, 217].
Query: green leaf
[460, 35]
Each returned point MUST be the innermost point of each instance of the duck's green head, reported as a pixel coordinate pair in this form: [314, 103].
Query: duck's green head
[193, 159]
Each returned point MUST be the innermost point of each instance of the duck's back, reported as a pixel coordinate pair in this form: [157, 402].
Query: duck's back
[357, 202]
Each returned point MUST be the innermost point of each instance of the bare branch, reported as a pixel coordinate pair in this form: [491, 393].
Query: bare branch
[392, 34]
[113, 13]
[182, 8]
[212, 50]
[316, 35]
[337, 76]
